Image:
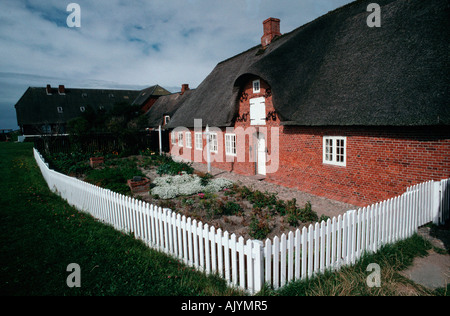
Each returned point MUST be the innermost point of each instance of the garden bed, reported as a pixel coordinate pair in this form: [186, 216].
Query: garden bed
[232, 207]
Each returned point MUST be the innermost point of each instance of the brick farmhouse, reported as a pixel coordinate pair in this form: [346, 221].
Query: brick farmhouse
[334, 108]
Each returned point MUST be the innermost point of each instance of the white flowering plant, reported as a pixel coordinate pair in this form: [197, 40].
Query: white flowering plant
[169, 187]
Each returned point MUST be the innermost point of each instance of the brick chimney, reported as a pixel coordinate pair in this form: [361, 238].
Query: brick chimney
[184, 88]
[48, 89]
[271, 30]
[61, 90]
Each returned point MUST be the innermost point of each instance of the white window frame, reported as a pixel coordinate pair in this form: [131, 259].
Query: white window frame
[256, 86]
[213, 143]
[166, 119]
[60, 109]
[198, 141]
[335, 150]
[174, 138]
[180, 139]
[230, 145]
[188, 140]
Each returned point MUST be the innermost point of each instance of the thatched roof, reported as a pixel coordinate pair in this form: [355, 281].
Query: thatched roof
[338, 71]
[37, 107]
[166, 105]
[145, 94]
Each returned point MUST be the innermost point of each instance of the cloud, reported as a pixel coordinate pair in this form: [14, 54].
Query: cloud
[132, 42]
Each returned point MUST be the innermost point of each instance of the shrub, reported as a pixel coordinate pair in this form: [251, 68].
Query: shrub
[231, 208]
[307, 214]
[259, 227]
[71, 163]
[173, 168]
[294, 214]
[205, 178]
[113, 178]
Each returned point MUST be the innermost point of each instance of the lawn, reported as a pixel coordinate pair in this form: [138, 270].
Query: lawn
[41, 235]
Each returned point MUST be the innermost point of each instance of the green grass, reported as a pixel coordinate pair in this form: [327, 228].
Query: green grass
[352, 280]
[41, 235]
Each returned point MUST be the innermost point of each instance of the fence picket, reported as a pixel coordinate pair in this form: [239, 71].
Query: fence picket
[310, 250]
[276, 262]
[297, 247]
[242, 263]
[283, 260]
[304, 252]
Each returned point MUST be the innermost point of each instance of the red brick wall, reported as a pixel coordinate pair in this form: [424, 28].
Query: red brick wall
[381, 162]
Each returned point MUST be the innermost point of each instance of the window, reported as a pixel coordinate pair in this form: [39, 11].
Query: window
[213, 146]
[174, 139]
[334, 150]
[188, 140]
[166, 119]
[258, 111]
[180, 139]
[256, 86]
[82, 109]
[60, 109]
[198, 141]
[230, 144]
[46, 129]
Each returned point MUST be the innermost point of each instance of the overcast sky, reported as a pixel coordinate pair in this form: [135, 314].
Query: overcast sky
[131, 44]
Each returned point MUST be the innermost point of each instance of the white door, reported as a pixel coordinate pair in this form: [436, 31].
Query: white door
[261, 155]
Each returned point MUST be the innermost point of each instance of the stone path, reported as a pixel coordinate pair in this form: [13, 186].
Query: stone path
[432, 271]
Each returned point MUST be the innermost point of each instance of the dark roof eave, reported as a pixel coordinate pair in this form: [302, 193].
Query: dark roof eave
[294, 123]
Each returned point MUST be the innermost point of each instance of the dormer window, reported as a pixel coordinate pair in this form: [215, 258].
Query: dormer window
[256, 86]
[166, 119]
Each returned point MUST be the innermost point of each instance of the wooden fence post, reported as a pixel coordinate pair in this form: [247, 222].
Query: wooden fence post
[258, 270]
[436, 200]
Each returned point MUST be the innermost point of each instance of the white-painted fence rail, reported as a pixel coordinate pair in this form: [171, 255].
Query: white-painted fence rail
[249, 264]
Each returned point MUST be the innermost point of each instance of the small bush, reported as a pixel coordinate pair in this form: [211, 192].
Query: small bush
[231, 208]
[113, 178]
[259, 227]
[174, 168]
[71, 163]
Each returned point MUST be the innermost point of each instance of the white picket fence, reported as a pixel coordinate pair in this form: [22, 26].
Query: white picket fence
[249, 264]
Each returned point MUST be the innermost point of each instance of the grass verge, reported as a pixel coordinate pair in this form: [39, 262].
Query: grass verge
[352, 280]
[41, 235]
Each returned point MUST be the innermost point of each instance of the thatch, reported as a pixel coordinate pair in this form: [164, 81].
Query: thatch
[166, 105]
[338, 71]
[145, 94]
